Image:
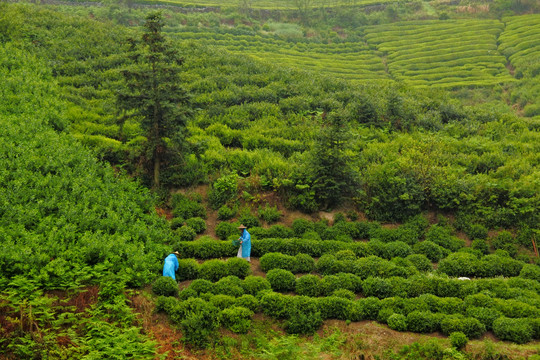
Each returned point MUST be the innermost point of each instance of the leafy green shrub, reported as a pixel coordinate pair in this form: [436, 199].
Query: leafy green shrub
[201, 286]
[223, 189]
[176, 223]
[274, 260]
[213, 270]
[422, 322]
[327, 264]
[308, 285]
[485, 315]
[165, 303]
[331, 283]
[303, 263]
[269, 214]
[344, 293]
[442, 236]
[165, 286]
[304, 317]
[516, 309]
[471, 327]
[253, 284]
[221, 301]
[530, 271]
[275, 305]
[301, 226]
[238, 267]
[458, 340]
[188, 269]
[248, 301]
[187, 293]
[185, 233]
[505, 241]
[237, 319]
[431, 250]
[200, 325]
[279, 231]
[226, 213]
[397, 322]
[477, 231]
[519, 331]
[229, 285]
[374, 286]
[249, 220]
[197, 224]
[303, 322]
[368, 308]
[499, 264]
[333, 307]
[397, 248]
[226, 229]
[480, 245]
[281, 280]
[345, 255]
[459, 264]
[185, 208]
[421, 262]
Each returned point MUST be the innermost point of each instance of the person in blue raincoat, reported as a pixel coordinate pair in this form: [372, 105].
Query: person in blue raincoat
[171, 265]
[245, 244]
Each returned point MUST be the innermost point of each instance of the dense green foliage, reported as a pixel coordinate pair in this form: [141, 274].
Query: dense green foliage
[73, 214]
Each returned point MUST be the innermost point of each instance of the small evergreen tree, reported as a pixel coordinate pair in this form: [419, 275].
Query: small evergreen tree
[330, 165]
[154, 94]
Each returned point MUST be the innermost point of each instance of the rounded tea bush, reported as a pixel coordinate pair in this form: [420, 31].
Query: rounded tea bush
[225, 229]
[458, 340]
[165, 286]
[197, 224]
[248, 301]
[281, 280]
[303, 322]
[226, 213]
[303, 263]
[397, 322]
[237, 319]
[274, 260]
[253, 284]
[177, 222]
[308, 285]
[517, 330]
[185, 233]
[421, 262]
[344, 293]
[238, 267]
[201, 286]
[213, 270]
[188, 269]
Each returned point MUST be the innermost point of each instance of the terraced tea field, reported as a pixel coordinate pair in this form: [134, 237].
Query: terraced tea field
[450, 53]
[269, 4]
[447, 54]
[349, 60]
[520, 41]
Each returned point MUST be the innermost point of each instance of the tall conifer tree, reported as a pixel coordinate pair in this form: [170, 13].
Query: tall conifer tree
[153, 93]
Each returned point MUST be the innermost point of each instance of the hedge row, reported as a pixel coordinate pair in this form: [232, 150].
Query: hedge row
[501, 298]
[190, 269]
[208, 249]
[400, 314]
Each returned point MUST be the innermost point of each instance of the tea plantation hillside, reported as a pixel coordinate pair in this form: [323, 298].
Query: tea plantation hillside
[367, 199]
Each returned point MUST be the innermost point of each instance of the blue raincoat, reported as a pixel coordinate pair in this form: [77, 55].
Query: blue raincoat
[170, 266]
[246, 244]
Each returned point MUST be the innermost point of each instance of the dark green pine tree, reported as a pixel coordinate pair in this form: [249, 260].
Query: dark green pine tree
[153, 93]
[330, 168]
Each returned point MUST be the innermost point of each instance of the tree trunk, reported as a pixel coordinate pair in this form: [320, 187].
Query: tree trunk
[157, 161]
